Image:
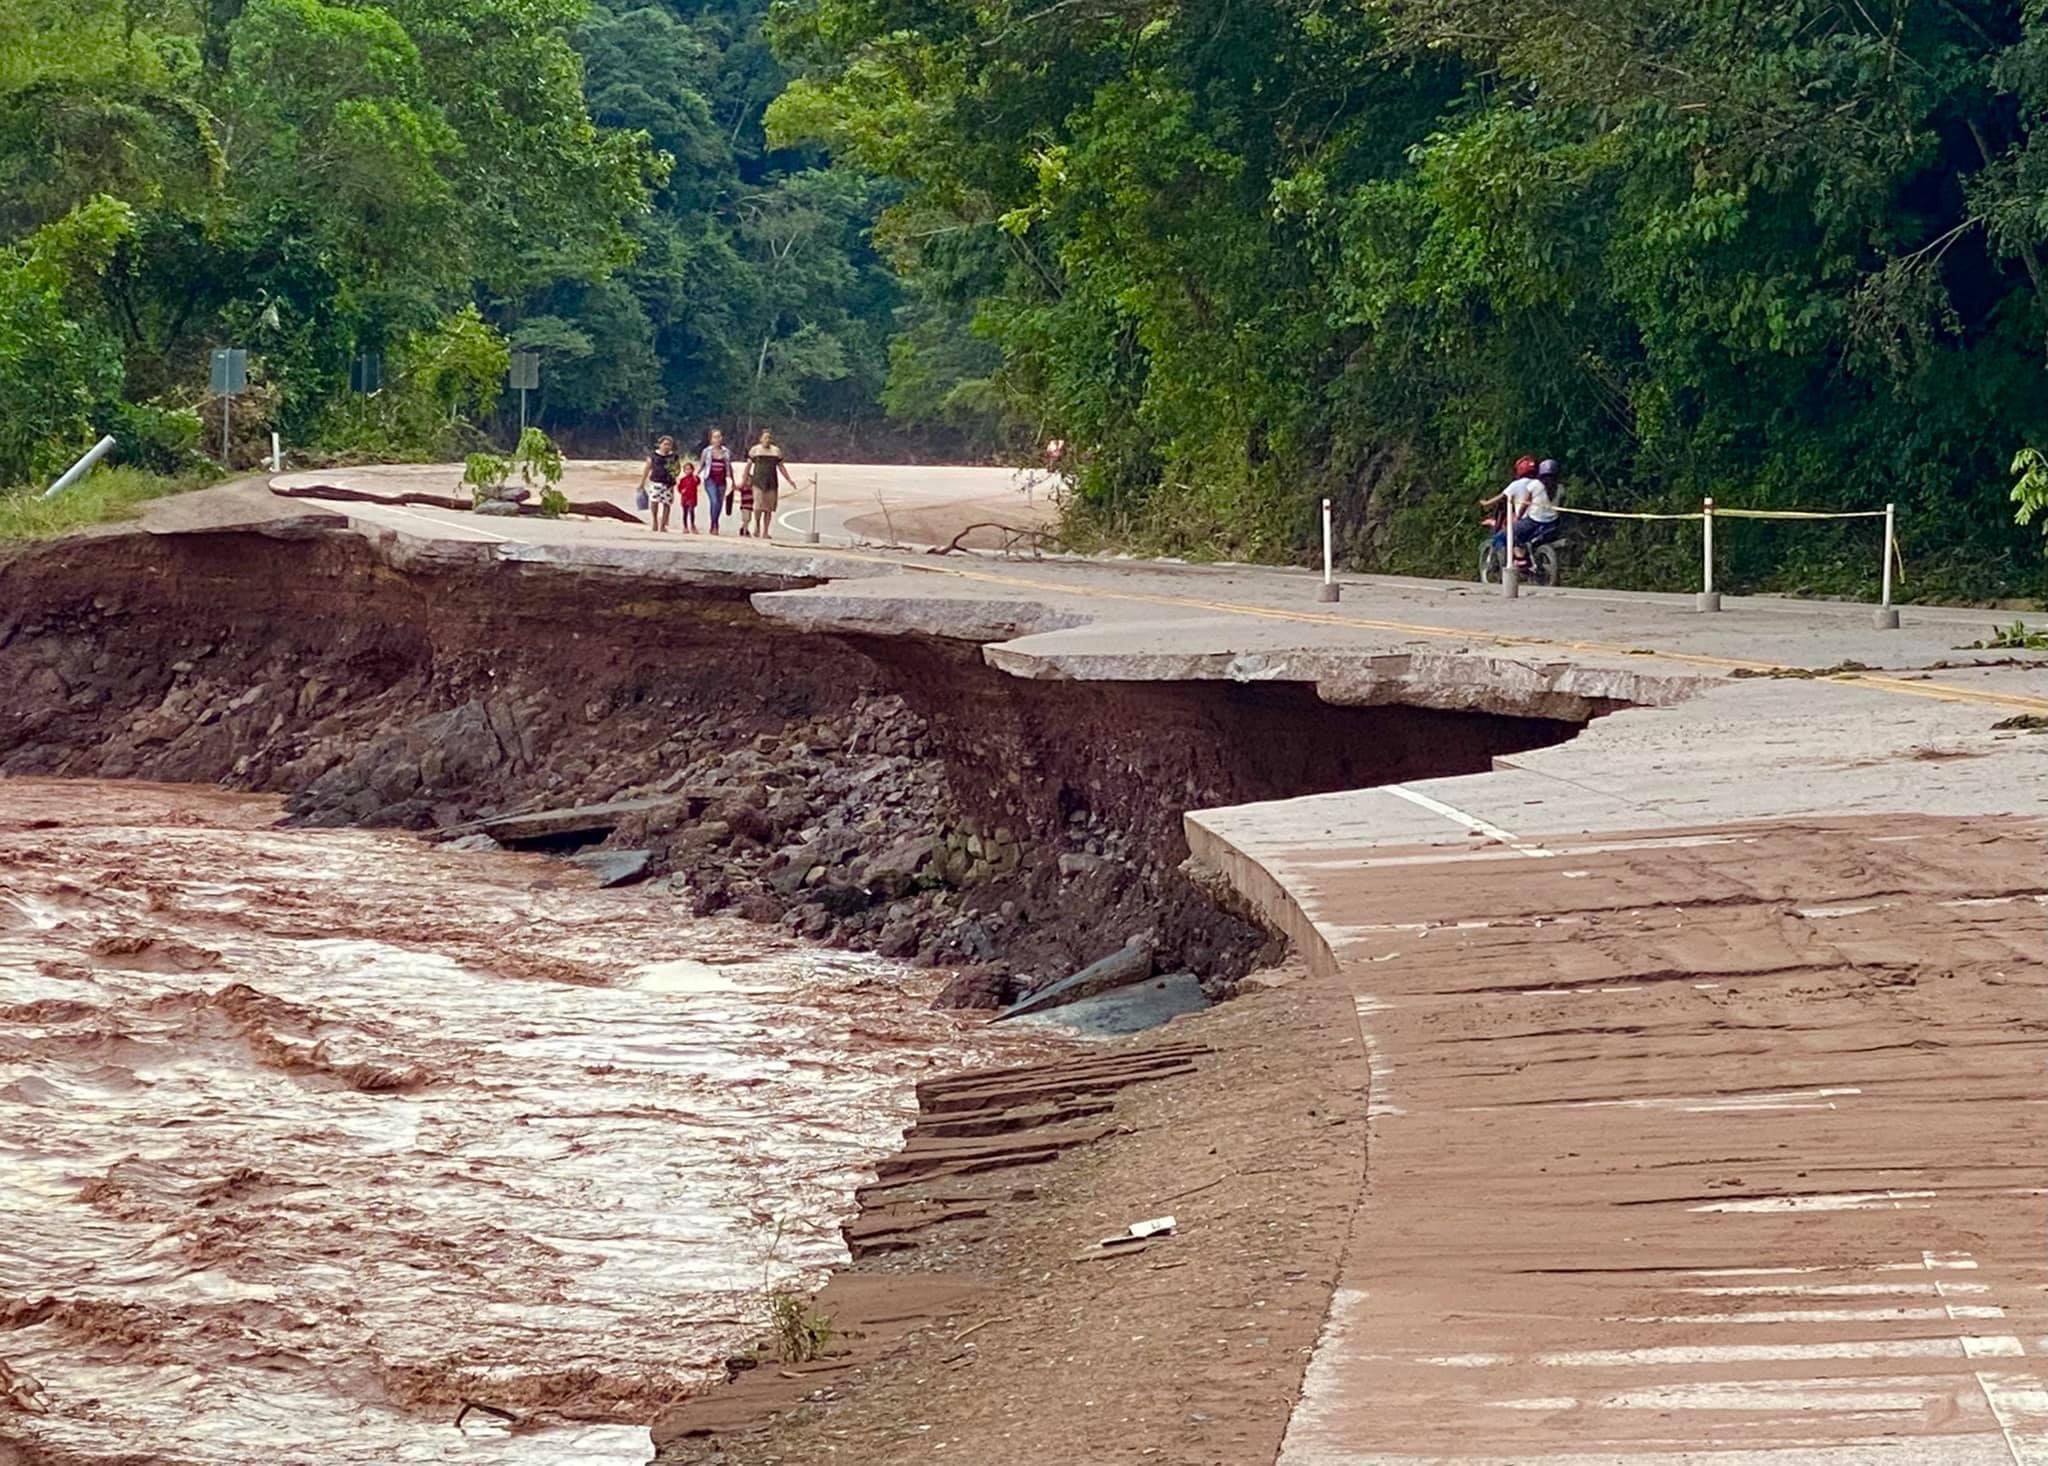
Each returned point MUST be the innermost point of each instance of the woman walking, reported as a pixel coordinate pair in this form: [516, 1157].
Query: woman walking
[766, 473]
[716, 466]
[658, 483]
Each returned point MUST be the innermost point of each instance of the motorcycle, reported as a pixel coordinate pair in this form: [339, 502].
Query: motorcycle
[1540, 552]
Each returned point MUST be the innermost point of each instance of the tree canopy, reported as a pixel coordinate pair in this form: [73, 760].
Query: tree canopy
[1239, 254]
[1246, 255]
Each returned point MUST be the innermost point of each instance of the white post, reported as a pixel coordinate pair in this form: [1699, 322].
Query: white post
[1708, 599]
[1510, 576]
[79, 469]
[812, 537]
[276, 454]
[1887, 617]
[227, 409]
[1330, 590]
[522, 413]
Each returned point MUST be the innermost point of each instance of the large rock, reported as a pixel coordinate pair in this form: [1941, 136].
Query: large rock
[1130, 1009]
[1122, 968]
[616, 867]
[896, 870]
[565, 826]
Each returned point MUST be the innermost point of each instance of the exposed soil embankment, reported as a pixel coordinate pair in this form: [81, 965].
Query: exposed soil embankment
[885, 792]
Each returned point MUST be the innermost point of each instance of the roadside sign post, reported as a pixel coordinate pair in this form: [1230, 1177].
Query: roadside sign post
[1708, 599]
[366, 374]
[228, 375]
[1330, 590]
[525, 377]
[1887, 617]
[811, 538]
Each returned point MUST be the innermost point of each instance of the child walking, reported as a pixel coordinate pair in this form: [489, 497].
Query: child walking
[686, 495]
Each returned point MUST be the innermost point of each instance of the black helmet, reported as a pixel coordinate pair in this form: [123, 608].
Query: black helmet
[1547, 468]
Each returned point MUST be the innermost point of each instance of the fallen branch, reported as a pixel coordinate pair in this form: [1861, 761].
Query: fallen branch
[1012, 534]
[588, 508]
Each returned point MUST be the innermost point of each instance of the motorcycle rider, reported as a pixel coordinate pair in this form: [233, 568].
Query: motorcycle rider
[1532, 499]
[1513, 498]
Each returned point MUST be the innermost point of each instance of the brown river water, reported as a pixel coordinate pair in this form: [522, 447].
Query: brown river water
[310, 1136]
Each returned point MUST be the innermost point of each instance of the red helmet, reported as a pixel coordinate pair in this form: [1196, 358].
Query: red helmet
[1524, 466]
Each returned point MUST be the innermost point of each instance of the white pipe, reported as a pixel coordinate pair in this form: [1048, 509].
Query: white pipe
[1328, 576]
[1707, 545]
[1887, 599]
[276, 454]
[812, 537]
[79, 469]
[1510, 577]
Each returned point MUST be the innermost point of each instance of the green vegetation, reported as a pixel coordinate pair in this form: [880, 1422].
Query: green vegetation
[1238, 256]
[428, 183]
[1242, 256]
[103, 496]
[801, 1332]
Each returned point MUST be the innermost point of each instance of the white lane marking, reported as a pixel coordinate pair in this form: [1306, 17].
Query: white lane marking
[1801, 1315]
[1789, 1099]
[1838, 1201]
[2010, 1397]
[1750, 1353]
[1379, 1069]
[1889, 1393]
[441, 526]
[1471, 822]
[1675, 842]
[1829, 1290]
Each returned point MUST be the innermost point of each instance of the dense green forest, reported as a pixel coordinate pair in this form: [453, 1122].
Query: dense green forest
[1785, 253]
[430, 184]
[1239, 255]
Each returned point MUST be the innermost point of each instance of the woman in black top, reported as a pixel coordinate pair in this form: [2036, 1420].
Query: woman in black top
[658, 481]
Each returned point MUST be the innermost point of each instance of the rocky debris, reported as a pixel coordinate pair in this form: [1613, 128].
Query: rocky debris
[991, 985]
[584, 822]
[773, 776]
[616, 867]
[1130, 964]
[1125, 1010]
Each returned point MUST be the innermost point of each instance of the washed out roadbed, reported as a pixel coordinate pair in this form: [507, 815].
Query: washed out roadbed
[993, 1336]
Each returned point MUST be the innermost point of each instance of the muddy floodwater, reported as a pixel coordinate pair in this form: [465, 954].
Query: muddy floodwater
[311, 1136]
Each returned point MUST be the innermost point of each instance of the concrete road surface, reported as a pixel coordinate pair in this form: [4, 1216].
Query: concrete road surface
[856, 503]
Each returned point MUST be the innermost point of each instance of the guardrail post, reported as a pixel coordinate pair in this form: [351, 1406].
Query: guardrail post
[1330, 591]
[1510, 577]
[1887, 617]
[811, 537]
[1708, 599]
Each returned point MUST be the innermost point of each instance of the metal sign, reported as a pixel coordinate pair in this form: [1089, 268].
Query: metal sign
[525, 370]
[230, 371]
[366, 373]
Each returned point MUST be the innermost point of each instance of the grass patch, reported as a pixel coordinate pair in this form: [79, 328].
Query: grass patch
[103, 496]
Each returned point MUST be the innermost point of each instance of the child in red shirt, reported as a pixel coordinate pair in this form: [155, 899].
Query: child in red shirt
[686, 495]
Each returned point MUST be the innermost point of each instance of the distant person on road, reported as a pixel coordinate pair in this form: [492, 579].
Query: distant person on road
[658, 482]
[715, 462]
[766, 473]
[687, 484]
[1514, 500]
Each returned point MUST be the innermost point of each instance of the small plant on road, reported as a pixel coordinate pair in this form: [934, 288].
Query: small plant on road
[483, 474]
[539, 463]
[2018, 637]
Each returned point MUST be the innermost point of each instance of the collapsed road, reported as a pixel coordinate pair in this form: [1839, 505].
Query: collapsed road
[1036, 732]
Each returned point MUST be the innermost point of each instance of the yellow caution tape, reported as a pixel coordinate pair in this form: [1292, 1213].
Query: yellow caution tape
[1615, 514]
[1720, 513]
